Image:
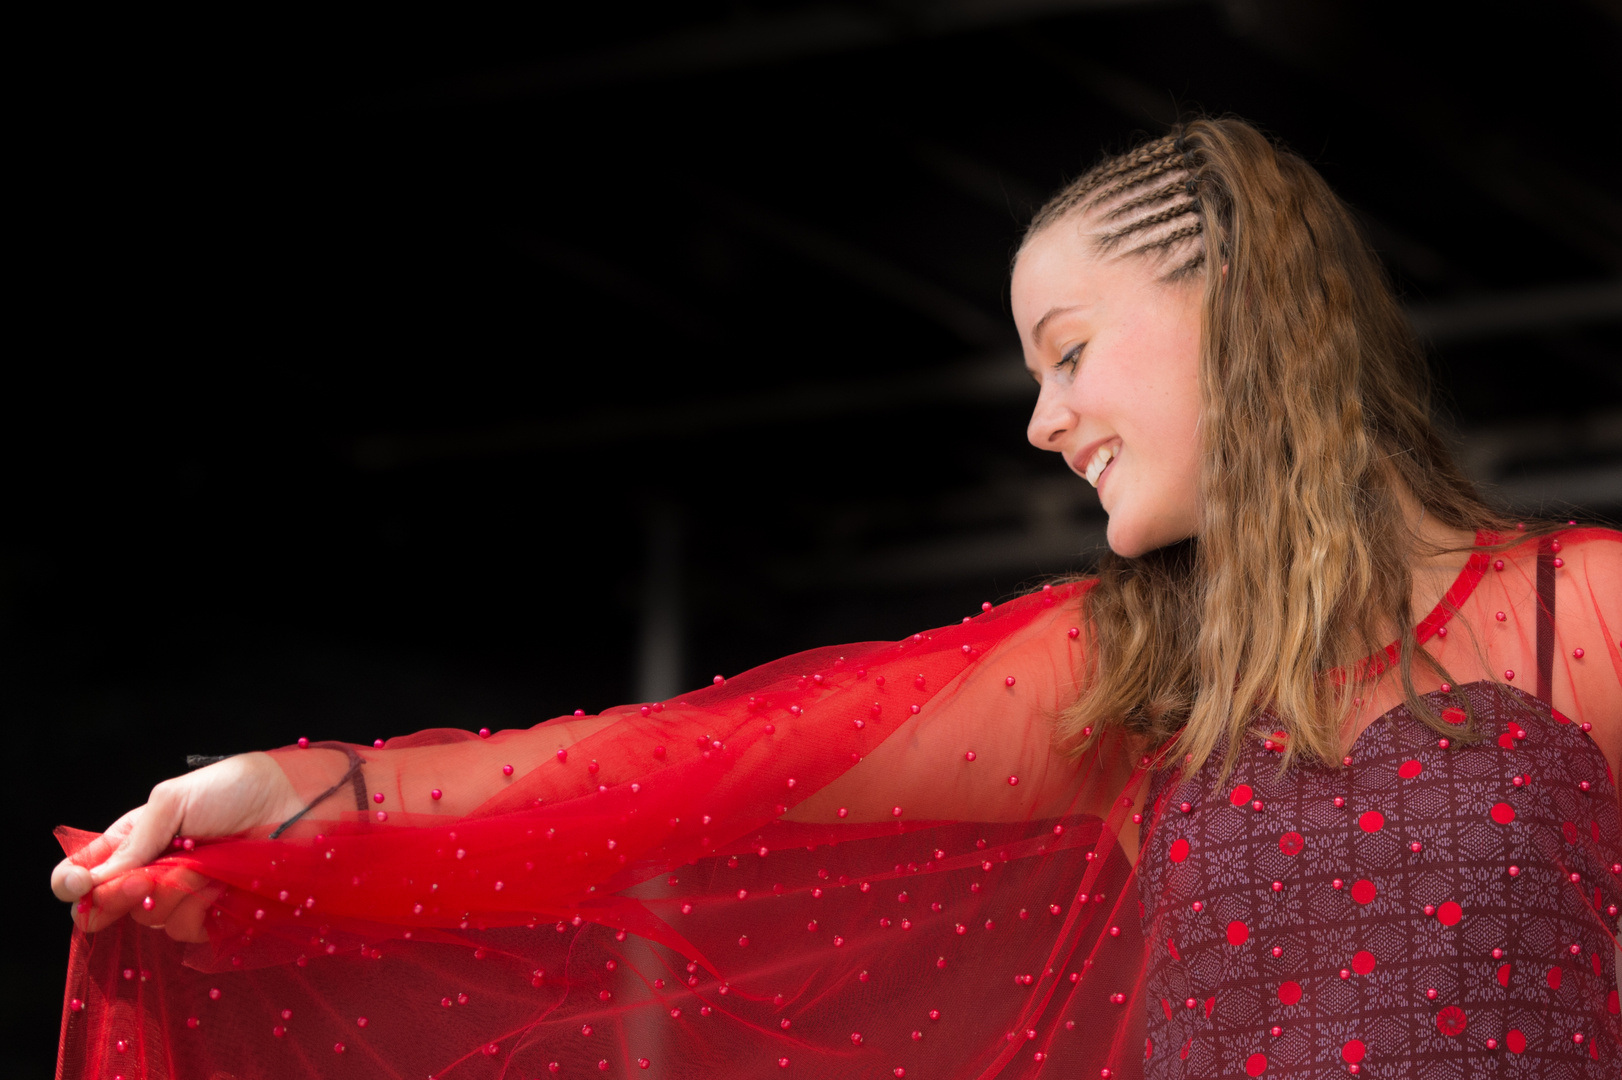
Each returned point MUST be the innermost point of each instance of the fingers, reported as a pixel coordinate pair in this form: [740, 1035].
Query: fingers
[74, 875]
[185, 922]
[70, 881]
[146, 835]
[111, 901]
[165, 895]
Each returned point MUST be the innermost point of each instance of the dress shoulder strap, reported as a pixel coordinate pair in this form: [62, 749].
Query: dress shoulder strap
[1545, 618]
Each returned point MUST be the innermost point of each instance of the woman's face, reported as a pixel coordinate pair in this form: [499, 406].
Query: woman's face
[1116, 354]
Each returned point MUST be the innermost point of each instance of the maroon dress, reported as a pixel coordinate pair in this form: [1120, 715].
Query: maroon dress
[1411, 914]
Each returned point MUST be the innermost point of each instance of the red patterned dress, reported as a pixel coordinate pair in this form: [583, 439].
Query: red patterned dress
[873, 861]
[1439, 907]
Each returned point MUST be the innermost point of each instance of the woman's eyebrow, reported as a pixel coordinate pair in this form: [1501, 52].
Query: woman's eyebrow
[1041, 324]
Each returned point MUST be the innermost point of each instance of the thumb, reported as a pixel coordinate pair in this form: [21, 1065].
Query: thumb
[151, 829]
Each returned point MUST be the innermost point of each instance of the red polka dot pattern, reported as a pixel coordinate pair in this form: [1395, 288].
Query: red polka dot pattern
[1451, 1021]
[1386, 961]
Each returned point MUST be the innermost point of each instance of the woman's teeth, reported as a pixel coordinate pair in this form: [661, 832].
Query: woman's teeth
[1101, 458]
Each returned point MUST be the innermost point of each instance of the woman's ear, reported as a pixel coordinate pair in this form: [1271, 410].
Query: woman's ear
[1224, 269]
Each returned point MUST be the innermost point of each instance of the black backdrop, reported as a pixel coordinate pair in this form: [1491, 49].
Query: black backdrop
[416, 370]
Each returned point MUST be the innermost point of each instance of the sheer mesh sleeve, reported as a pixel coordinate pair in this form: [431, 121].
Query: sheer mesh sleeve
[855, 859]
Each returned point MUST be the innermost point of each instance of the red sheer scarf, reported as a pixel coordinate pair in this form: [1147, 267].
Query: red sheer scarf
[851, 862]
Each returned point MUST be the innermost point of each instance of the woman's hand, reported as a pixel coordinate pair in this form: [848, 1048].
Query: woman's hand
[228, 797]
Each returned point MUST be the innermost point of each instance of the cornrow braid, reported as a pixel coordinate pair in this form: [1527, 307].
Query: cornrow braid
[1074, 193]
[1174, 165]
[1148, 201]
[1110, 240]
[1159, 194]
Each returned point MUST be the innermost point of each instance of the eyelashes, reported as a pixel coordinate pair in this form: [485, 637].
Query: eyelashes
[1071, 357]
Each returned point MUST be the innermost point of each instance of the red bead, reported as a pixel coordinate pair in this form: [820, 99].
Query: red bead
[1275, 1031]
[1278, 951]
[1008, 681]
[484, 733]
[1073, 632]
[1577, 654]
[506, 770]
[436, 794]
[1013, 781]
[1509, 674]
[1500, 616]
[377, 744]
[303, 742]
[969, 756]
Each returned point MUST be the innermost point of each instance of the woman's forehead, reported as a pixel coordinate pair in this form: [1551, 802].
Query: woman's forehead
[1061, 266]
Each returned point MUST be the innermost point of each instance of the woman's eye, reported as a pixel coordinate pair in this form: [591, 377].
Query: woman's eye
[1071, 357]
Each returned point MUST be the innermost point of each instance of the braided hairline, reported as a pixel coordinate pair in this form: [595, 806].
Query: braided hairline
[1159, 194]
[1112, 239]
[1129, 178]
[1086, 187]
[1138, 179]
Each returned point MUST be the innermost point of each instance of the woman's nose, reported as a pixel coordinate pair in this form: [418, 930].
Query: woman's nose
[1050, 420]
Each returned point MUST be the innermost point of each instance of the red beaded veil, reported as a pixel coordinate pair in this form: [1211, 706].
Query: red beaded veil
[870, 860]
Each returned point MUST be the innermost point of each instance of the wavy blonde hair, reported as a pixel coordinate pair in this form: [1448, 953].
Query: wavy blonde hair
[1315, 414]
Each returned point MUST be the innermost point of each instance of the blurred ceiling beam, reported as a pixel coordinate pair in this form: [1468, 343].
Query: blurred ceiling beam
[900, 286]
[1520, 312]
[747, 42]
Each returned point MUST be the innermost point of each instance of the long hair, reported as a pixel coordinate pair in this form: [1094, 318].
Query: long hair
[1314, 414]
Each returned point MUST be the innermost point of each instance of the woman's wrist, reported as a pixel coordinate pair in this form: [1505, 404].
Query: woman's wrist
[321, 777]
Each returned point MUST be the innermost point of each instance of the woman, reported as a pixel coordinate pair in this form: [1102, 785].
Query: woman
[1237, 805]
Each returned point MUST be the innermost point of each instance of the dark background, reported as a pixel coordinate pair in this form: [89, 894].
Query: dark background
[424, 370]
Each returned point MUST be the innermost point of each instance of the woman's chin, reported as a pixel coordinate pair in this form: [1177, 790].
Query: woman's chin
[1130, 539]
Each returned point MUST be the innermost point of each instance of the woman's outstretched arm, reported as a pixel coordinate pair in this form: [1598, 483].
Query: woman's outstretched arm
[953, 724]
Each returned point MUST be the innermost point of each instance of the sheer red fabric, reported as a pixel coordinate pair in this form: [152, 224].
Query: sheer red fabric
[873, 860]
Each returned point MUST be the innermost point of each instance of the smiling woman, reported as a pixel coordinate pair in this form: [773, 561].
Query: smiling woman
[1229, 807]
